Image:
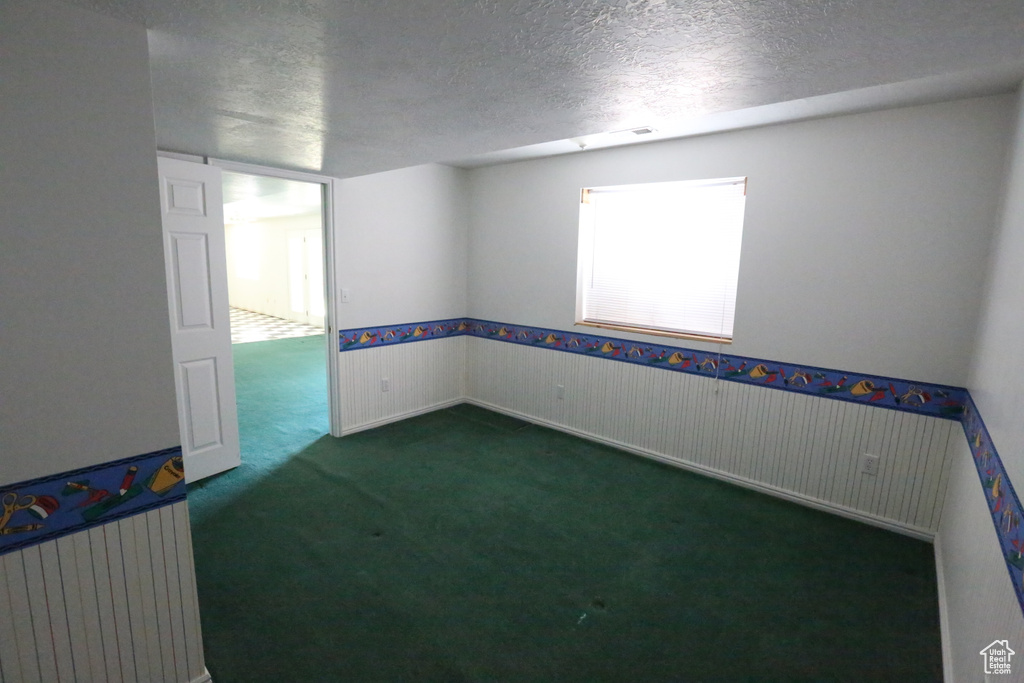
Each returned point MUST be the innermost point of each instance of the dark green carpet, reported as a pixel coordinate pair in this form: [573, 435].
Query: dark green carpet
[281, 391]
[467, 546]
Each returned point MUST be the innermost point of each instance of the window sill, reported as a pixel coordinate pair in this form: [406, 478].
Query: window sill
[657, 333]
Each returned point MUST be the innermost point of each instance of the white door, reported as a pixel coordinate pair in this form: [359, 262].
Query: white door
[315, 280]
[306, 276]
[192, 211]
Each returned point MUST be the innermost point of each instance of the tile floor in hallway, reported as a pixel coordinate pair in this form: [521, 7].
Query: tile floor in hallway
[248, 326]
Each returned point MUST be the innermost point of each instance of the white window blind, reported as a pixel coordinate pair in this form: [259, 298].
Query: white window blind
[662, 257]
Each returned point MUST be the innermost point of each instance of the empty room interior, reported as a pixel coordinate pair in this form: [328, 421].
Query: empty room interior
[865, 396]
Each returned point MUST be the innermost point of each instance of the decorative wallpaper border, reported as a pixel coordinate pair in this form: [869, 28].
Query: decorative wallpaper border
[1003, 502]
[43, 509]
[389, 335]
[884, 392]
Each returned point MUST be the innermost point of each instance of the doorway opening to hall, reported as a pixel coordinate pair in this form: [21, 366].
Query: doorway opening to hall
[275, 244]
[274, 233]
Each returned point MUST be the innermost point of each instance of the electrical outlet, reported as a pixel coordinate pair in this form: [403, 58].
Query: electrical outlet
[560, 392]
[869, 464]
[385, 384]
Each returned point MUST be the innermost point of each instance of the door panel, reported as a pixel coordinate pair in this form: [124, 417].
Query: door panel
[199, 381]
[186, 197]
[192, 281]
[197, 295]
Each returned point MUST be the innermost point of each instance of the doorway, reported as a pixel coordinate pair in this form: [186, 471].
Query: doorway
[274, 236]
[279, 243]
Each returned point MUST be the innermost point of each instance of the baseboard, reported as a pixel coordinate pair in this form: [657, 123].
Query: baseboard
[401, 416]
[947, 644]
[808, 501]
[203, 678]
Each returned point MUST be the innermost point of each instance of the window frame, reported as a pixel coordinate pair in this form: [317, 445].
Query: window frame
[585, 257]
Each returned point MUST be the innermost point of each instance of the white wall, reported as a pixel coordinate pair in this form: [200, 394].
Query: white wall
[266, 243]
[864, 243]
[109, 604]
[401, 246]
[979, 597]
[423, 376]
[999, 351]
[86, 351]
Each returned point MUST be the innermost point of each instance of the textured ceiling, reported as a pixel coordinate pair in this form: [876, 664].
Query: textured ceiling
[348, 87]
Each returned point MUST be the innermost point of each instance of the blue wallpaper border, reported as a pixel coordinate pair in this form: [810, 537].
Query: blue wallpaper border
[46, 508]
[936, 400]
[1003, 503]
[40, 510]
[389, 335]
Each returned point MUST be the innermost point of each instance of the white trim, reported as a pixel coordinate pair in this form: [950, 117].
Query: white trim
[331, 305]
[808, 501]
[180, 156]
[947, 640]
[256, 169]
[330, 274]
[402, 416]
[203, 678]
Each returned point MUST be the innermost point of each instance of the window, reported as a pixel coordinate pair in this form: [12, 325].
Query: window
[661, 258]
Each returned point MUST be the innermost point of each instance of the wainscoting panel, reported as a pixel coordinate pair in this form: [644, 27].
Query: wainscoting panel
[422, 377]
[115, 603]
[977, 597]
[803, 447]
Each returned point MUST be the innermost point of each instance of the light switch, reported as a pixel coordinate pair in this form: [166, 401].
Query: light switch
[344, 296]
